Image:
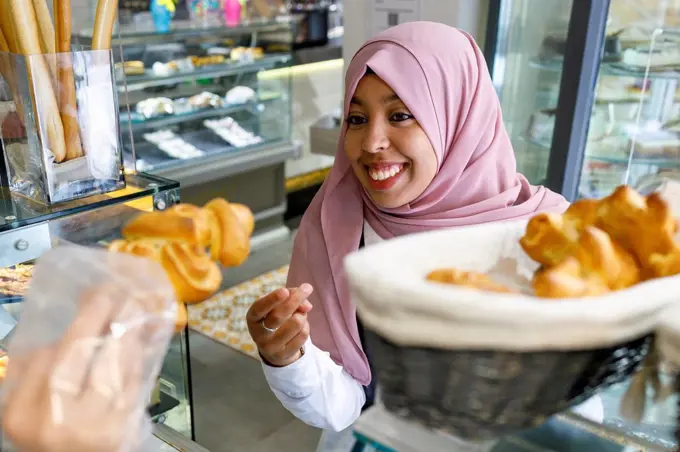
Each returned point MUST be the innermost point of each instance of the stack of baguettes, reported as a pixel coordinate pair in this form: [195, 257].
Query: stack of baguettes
[189, 242]
[26, 28]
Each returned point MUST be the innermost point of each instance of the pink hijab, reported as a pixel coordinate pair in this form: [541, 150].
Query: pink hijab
[441, 76]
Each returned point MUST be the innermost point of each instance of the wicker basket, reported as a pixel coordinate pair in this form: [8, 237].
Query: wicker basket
[487, 394]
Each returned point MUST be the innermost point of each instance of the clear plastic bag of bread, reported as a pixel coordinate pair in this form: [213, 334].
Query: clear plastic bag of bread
[87, 351]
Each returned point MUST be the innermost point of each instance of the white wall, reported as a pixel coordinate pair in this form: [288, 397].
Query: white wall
[468, 15]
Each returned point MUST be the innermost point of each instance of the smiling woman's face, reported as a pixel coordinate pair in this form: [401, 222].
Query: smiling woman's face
[389, 151]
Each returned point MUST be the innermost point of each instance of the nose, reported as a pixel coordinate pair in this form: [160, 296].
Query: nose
[375, 138]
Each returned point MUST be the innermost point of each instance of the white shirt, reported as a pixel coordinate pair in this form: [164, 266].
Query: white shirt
[322, 394]
[319, 392]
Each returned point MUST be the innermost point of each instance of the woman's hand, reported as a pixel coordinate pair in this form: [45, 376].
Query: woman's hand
[278, 324]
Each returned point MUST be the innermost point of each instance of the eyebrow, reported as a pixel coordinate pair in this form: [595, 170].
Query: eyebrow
[385, 100]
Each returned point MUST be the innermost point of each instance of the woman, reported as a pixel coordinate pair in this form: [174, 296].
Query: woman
[423, 147]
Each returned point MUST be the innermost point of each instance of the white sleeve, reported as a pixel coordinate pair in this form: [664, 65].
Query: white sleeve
[317, 391]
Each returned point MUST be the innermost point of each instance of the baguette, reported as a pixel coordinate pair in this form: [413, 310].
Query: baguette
[66, 92]
[28, 42]
[105, 15]
[45, 27]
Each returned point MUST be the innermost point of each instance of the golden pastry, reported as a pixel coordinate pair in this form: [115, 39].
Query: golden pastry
[551, 237]
[229, 240]
[643, 225]
[171, 225]
[597, 265]
[567, 280]
[193, 275]
[473, 280]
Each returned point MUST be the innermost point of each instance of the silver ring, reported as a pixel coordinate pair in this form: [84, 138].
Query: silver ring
[266, 328]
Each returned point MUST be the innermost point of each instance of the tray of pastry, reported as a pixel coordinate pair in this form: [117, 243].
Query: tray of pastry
[14, 282]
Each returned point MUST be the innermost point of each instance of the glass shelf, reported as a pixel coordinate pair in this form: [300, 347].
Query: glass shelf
[16, 212]
[139, 82]
[611, 69]
[182, 29]
[206, 113]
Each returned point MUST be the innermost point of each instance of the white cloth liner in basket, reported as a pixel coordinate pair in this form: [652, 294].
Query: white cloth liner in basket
[394, 299]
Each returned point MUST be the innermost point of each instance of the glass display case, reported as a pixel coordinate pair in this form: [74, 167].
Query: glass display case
[588, 90]
[29, 229]
[203, 96]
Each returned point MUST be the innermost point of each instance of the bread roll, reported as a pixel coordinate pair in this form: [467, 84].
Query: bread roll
[198, 215]
[28, 41]
[143, 248]
[567, 280]
[193, 275]
[229, 240]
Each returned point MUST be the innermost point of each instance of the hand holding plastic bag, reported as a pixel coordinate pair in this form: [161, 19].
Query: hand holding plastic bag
[86, 353]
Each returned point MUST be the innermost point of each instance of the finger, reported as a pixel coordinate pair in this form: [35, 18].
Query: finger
[297, 342]
[280, 314]
[289, 330]
[305, 307]
[264, 305]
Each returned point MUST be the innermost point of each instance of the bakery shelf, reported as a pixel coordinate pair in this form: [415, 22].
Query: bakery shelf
[133, 34]
[139, 82]
[16, 212]
[170, 120]
[223, 161]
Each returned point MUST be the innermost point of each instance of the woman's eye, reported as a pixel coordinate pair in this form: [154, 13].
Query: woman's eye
[399, 117]
[355, 120]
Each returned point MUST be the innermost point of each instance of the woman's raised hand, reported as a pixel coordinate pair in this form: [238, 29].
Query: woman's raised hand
[278, 324]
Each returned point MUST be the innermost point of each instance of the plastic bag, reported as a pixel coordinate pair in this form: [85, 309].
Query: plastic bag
[87, 351]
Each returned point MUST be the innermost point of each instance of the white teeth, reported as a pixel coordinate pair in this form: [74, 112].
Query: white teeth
[385, 173]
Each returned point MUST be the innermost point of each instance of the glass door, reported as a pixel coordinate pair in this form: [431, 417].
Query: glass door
[527, 68]
[544, 57]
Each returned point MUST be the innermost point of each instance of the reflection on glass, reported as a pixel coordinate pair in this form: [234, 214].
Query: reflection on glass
[527, 73]
[635, 124]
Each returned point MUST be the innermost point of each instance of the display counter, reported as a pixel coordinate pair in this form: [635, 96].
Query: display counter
[28, 229]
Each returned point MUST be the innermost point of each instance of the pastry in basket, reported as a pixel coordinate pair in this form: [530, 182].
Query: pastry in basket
[473, 280]
[643, 225]
[597, 265]
[550, 237]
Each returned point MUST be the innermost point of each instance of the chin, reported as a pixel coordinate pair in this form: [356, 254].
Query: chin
[385, 201]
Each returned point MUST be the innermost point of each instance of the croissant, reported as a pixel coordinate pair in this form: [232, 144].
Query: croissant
[170, 225]
[193, 275]
[598, 265]
[230, 230]
[143, 248]
[643, 225]
[567, 280]
[472, 280]
[550, 238]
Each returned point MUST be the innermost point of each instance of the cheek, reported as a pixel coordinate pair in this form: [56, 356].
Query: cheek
[352, 146]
